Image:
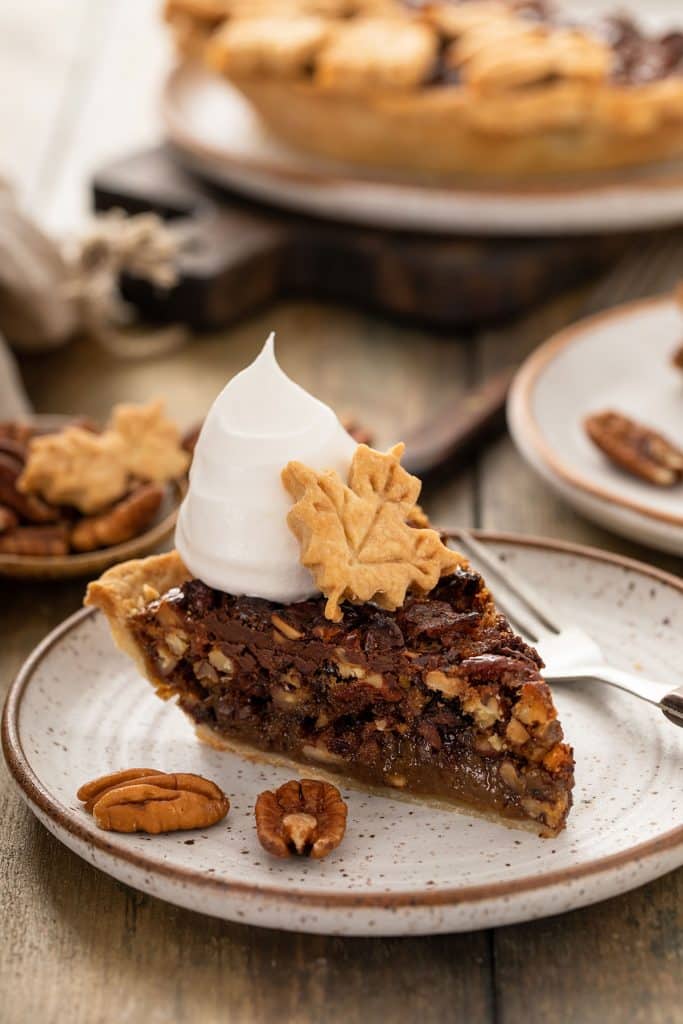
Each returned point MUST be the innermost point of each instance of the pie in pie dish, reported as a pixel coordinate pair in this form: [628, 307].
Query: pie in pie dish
[392, 668]
[494, 87]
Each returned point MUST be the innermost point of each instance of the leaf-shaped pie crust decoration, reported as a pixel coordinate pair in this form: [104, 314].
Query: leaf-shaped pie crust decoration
[356, 538]
[76, 467]
[152, 441]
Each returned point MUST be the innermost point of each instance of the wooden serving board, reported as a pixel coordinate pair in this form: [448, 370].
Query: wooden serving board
[244, 255]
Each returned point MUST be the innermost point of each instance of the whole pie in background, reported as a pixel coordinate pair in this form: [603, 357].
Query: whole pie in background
[492, 87]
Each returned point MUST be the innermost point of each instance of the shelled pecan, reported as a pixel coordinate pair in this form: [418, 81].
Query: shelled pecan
[636, 448]
[36, 540]
[141, 800]
[304, 817]
[27, 506]
[8, 519]
[124, 520]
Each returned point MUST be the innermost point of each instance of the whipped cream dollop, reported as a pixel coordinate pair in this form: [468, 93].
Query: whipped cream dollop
[232, 528]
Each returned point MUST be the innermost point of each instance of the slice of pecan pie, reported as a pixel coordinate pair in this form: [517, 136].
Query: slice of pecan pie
[438, 699]
[502, 87]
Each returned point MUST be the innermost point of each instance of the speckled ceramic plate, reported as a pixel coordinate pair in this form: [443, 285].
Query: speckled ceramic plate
[217, 134]
[92, 563]
[620, 360]
[79, 708]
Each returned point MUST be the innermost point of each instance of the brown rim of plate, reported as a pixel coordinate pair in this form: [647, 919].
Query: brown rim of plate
[71, 823]
[522, 396]
[184, 140]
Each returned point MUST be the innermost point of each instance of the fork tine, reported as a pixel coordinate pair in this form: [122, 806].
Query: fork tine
[517, 588]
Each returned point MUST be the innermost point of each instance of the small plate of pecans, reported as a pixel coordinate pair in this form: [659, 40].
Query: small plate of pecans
[598, 412]
[75, 498]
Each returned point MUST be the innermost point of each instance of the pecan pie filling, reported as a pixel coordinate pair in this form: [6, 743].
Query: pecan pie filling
[439, 697]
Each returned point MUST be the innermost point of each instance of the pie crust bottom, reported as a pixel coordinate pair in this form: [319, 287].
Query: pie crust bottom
[217, 741]
[422, 133]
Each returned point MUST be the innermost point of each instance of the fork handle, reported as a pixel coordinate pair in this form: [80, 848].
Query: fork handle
[671, 704]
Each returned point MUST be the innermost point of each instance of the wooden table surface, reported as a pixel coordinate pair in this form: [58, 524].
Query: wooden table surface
[77, 86]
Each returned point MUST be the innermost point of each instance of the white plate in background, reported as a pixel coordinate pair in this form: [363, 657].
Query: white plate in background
[617, 360]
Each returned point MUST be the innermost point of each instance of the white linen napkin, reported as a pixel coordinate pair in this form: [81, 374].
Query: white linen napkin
[49, 291]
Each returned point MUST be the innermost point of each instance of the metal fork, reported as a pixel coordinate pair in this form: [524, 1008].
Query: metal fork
[569, 653]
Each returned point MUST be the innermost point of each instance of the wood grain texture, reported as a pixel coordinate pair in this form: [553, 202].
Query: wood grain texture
[76, 947]
[618, 961]
[243, 255]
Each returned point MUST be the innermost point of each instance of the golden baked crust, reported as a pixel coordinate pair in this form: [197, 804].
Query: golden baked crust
[375, 52]
[126, 588]
[152, 443]
[447, 87]
[407, 132]
[122, 590]
[276, 46]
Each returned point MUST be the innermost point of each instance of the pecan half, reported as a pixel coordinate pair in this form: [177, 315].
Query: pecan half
[636, 448]
[677, 358]
[307, 818]
[15, 449]
[124, 520]
[36, 540]
[28, 506]
[154, 802]
[90, 792]
[8, 518]
[15, 430]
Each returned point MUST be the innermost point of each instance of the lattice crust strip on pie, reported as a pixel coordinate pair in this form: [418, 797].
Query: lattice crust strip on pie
[272, 45]
[376, 52]
[356, 538]
[509, 55]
